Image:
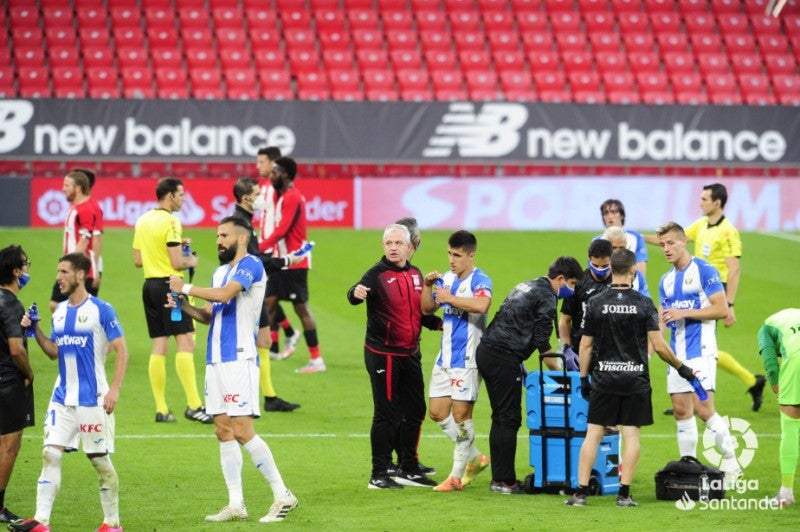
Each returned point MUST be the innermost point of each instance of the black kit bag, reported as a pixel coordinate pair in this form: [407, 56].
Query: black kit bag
[689, 476]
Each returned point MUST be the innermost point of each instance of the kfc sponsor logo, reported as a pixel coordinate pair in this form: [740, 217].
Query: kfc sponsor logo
[230, 398]
[91, 428]
[458, 383]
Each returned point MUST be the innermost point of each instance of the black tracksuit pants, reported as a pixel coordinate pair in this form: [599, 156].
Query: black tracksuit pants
[398, 395]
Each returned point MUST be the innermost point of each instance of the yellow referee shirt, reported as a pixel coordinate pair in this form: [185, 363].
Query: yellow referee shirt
[715, 243]
[153, 232]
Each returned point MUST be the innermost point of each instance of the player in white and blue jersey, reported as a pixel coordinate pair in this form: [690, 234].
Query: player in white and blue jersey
[465, 294]
[692, 299]
[81, 409]
[233, 310]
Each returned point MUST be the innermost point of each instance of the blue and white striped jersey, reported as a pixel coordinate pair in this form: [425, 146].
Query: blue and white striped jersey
[234, 325]
[82, 334]
[690, 288]
[462, 331]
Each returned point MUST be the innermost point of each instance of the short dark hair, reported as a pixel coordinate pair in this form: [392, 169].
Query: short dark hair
[88, 173]
[237, 221]
[670, 227]
[167, 185]
[566, 266]
[718, 192]
[622, 260]
[613, 203]
[463, 239]
[11, 258]
[80, 179]
[243, 187]
[288, 165]
[413, 229]
[600, 248]
[271, 152]
[79, 261]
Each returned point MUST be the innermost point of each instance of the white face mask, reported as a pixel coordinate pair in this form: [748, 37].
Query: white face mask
[259, 204]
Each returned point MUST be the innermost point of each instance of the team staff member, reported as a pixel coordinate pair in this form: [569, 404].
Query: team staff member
[84, 222]
[595, 278]
[392, 289]
[157, 243]
[617, 326]
[16, 375]
[780, 337]
[616, 235]
[245, 192]
[289, 234]
[523, 324]
[692, 299]
[84, 330]
[464, 294]
[234, 304]
[265, 202]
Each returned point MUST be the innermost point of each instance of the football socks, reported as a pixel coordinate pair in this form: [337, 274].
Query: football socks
[158, 381]
[184, 366]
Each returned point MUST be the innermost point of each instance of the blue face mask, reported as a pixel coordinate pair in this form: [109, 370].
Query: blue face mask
[565, 291]
[600, 273]
[23, 280]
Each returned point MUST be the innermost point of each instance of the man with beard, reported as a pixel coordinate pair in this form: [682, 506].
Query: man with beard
[233, 309]
[84, 330]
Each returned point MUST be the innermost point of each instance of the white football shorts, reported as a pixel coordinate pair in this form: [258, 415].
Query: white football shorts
[459, 384]
[704, 367]
[232, 388]
[66, 425]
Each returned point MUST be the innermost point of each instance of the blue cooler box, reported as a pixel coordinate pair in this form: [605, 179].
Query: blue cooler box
[555, 387]
[605, 472]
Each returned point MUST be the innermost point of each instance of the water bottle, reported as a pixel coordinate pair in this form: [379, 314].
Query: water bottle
[187, 251]
[439, 282]
[705, 487]
[698, 388]
[308, 246]
[176, 314]
[33, 314]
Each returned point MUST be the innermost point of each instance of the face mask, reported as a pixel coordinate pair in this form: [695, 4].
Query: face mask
[565, 291]
[23, 280]
[259, 204]
[600, 273]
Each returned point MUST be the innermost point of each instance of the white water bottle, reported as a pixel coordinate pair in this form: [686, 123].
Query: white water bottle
[704, 487]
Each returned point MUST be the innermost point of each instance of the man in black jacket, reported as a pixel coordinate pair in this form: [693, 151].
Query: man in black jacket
[392, 289]
[523, 324]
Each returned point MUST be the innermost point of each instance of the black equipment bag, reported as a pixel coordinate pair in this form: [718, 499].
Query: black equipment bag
[686, 476]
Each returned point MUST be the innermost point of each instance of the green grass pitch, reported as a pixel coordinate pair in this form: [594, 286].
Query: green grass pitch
[169, 474]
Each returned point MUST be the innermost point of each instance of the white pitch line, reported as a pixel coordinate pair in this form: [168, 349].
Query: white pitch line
[784, 236]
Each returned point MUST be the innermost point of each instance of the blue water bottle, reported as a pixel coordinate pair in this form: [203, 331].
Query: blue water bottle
[698, 389]
[308, 246]
[33, 314]
[176, 314]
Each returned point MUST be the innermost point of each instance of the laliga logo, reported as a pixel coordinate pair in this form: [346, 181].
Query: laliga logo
[685, 502]
[740, 431]
[52, 207]
[14, 115]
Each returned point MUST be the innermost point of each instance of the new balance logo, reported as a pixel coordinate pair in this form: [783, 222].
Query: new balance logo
[14, 115]
[491, 132]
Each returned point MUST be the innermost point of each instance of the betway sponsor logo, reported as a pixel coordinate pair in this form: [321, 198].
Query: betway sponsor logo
[70, 340]
[496, 129]
[619, 309]
[620, 366]
[683, 304]
[181, 139]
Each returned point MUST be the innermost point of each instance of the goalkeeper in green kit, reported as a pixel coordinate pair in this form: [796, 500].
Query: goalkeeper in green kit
[780, 337]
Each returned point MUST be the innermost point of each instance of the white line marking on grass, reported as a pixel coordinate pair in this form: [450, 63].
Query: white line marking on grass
[784, 236]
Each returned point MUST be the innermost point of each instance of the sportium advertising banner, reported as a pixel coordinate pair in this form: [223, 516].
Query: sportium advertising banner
[392, 132]
[329, 202]
[551, 203]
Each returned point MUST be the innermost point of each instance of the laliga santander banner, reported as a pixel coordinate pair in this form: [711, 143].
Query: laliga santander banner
[329, 202]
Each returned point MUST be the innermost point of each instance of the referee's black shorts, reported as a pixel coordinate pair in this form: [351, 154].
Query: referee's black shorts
[608, 409]
[289, 285]
[16, 403]
[159, 321]
[263, 317]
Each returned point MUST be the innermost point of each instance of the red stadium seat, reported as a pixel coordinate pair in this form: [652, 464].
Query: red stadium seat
[227, 17]
[605, 42]
[623, 97]
[62, 56]
[334, 39]
[131, 57]
[447, 80]
[91, 17]
[343, 80]
[269, 59]
[518, 80]
[68, 82]
[657, 97]
[204, 78]
[773, 44]
[571, 42]
[700, 22]
[303, 60]
[122, 17]
[712, 63]
[28, 37]
[401, 20]
[599, 21]
[241, 84]
[638, 42]
[652, 81]
[191, 17]
[549, 81]
[234, 58]
[739, 43]
[619, 81]
[678, 62]
[295, 18]
[584, 81]
[755, 89]
[96, 56]
[691, 97]
[299, 39]
[137, 82]
[163, 38]
[440, 60]
[329, 19]
[611, 62]
[534, 42]
[543, 61]
[665, 22]
[577, 62]
[372, 59]
[338, 59]
[503, 40]
[258, 17]
[780, 64]
[469, 40]
[431, 20]
[405, 59]
[672, 42]
[508, 60]
[643, 62]
[102, 82]
[24, 17]
[464, 21]
[765, 24]
[378, 79]
[531, 21]
[633, 22]
[60, 36]
[231, 38]
[686, 82]
[29, 56]
[433, 41]
[200, 57]
[412, 79]
[733, 24]
[706, 43]
[474, 60]
[787, 89]
[129, 37]
[166, 58]
[193, 37]
[364, 39]
[363, 19]
[499, 20]
[416, 95]
[265, 39]
[655, 6]
[565, 21]
[746, 63]
[720, 84]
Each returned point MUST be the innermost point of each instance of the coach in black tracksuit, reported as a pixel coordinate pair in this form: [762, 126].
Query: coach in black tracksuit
[392, 290]
[523, 324]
